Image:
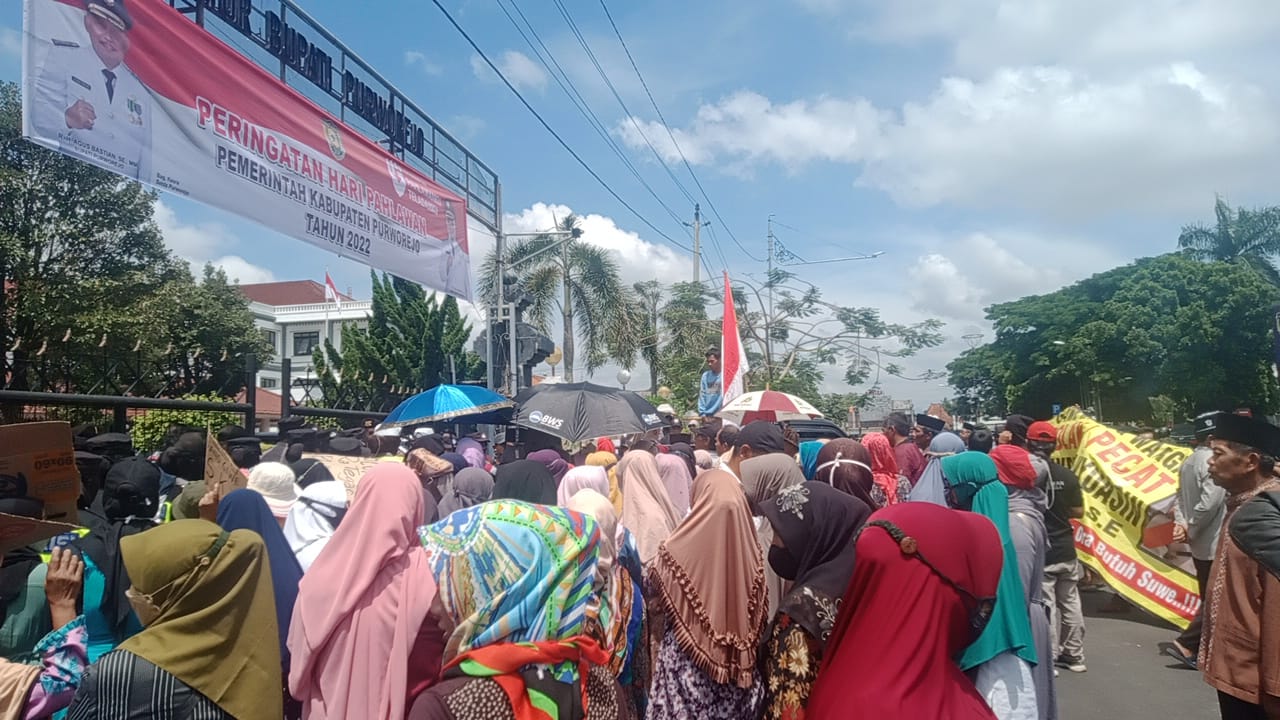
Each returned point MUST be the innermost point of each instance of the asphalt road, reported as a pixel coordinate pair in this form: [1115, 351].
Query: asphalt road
[1127, 676]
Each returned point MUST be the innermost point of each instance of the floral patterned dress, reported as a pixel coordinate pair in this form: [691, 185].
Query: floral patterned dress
[63, 658]
[681, 691]
[788, 666]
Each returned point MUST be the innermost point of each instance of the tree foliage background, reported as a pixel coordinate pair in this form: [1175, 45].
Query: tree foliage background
[91, 299]
[405, 349]
[1169, 335]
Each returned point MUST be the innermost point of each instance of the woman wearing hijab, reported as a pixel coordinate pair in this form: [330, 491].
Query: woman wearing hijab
[647, 510]
[310, 471]
[925, 577]
[584, 477]
[676, 478]
[435, 475]
[890, 486]
[620, 602]
[1027, 505]
[1004, 655]
[552, 461]
[473, 451]
[360, 640]
[48, 683]
[210, 648]
[609, 461]
[314, 519]
[704, 460]
[814, 526]
[129, 499]
[931, 487]
[515, 587]
[845, 465]
[471, 487]
[527, 480]
[246, 510]
[809, 458]
[763, 478]
[715, 605]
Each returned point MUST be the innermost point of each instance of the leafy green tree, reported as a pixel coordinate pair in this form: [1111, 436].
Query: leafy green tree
[645, 325]
[793, 336]
[90, 298]
[1197, 333]
[149, 428]
[1249, 237]
[579, 281]
[405, 349]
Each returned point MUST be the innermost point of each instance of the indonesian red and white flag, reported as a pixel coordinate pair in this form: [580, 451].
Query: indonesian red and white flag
[733, 359]
[331, 291]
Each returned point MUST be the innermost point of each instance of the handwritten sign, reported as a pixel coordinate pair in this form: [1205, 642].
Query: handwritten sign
[347, 469]
[220, 472]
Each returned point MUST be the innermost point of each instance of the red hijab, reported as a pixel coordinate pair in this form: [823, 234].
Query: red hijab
[884, 466]
[1013, 466]
[895, 660]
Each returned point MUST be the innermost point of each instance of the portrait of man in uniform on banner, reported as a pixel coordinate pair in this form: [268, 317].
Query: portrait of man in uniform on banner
[87, 98]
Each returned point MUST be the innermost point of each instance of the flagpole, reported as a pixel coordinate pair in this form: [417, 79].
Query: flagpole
[327, 336]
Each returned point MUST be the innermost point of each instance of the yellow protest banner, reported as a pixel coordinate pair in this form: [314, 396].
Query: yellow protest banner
[1129, 486]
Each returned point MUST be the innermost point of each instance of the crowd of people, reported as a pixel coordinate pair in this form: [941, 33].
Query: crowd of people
[911, 573]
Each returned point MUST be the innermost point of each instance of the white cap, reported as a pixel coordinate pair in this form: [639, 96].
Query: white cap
[275, 483]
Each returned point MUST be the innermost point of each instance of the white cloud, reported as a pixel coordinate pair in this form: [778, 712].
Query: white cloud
[638, 259]
[416, 59]
[10, 42]
[1045, 139]
[983, 34]
[523, 72]
[199, 244]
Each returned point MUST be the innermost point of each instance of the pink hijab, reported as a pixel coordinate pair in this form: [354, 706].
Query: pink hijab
[362, 603]
[675, 477]
[582, 477]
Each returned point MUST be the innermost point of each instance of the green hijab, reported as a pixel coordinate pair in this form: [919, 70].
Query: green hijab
[972, 476]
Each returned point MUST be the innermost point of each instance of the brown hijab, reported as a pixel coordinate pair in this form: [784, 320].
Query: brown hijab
[715, 601]
[647, 510]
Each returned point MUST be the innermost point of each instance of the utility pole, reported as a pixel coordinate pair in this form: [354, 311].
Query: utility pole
[697, 226]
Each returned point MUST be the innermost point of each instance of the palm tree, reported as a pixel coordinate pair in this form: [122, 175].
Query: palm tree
[1250, 237]
[648, 300]
[579, 280]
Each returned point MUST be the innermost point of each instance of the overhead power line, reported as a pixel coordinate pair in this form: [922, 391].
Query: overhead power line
[547, 126]
[557, 72]
[675, 143]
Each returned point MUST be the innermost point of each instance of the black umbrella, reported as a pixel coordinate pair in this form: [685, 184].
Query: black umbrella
[579, 411]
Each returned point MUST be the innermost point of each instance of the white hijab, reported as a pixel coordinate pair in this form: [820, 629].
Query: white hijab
[313, 519]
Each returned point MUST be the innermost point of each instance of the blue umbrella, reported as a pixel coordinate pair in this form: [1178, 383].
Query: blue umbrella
[449, 403]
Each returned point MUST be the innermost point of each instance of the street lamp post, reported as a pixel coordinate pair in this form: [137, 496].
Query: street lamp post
[624, 377]
[509, 309]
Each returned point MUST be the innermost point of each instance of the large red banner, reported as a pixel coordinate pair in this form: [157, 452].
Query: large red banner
[138, 89]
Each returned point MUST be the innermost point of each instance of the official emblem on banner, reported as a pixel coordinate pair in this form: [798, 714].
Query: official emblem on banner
[334, 137]
[135, 110]
[397, 177]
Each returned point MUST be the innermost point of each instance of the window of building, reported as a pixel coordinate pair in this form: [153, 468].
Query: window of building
[270, 337]
[267, 382]
[305, 342]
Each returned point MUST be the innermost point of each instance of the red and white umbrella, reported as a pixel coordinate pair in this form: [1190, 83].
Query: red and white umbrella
[769, 405]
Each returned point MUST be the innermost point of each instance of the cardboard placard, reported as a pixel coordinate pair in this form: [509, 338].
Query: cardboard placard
[220, 472]
[347, 469]
[17, 531]
[37, 460]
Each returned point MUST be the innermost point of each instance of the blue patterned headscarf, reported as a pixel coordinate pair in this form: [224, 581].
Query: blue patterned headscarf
[809, 458]
[509, 571]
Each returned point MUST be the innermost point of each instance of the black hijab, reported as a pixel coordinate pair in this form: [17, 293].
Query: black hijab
[127, 505]
[685, 452]
[310, 471]
[818, 524]
[526, 480]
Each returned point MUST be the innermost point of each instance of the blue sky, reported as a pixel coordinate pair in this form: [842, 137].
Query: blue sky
[990, 149]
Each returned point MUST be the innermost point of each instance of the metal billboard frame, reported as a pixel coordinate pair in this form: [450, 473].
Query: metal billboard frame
[467, 175]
